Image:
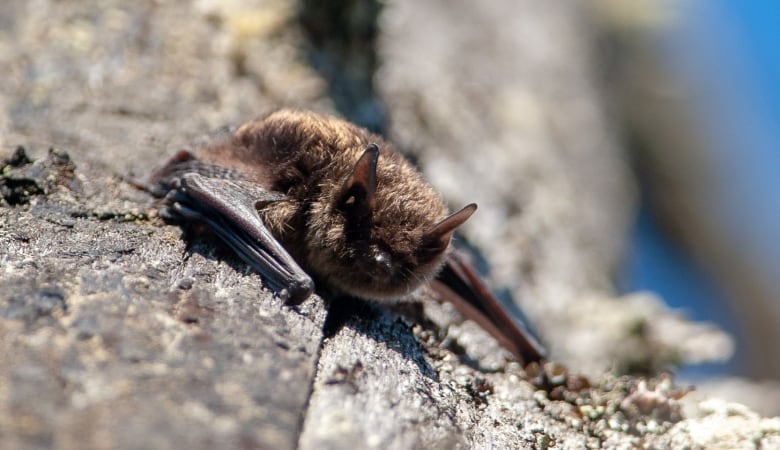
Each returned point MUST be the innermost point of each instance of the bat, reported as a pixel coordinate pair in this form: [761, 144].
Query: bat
[308, 199]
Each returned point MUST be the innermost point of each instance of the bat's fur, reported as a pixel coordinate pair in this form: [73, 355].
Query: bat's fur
[307, 157]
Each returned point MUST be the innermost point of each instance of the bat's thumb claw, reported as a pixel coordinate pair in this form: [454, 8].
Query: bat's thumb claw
[297, 291]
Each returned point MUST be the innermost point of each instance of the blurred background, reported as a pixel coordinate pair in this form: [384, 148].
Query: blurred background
[694, 86]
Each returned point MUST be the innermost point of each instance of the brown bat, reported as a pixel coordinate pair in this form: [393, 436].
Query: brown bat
[299, 195]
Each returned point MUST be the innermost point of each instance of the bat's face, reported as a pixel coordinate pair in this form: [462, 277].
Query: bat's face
[382, 231]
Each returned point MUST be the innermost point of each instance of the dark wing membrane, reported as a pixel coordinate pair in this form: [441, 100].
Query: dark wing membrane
[168, 177]
[459, 284]
[227, 207]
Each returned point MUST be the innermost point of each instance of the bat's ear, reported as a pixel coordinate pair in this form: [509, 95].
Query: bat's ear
[357, 193]
[436, 240]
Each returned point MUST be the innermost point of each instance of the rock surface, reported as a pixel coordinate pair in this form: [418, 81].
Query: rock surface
[119, 331]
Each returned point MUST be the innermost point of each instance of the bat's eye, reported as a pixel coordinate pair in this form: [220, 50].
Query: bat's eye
[383, 261]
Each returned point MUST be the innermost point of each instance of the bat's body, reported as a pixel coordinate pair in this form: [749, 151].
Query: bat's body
[297, 194]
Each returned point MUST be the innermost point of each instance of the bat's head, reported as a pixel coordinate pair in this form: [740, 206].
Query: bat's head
[383, 230]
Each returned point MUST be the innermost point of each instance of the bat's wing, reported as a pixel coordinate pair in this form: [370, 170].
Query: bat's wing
[459, 284]
[229, 208]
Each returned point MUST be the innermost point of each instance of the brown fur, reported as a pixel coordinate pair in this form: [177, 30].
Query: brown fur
[307, 157]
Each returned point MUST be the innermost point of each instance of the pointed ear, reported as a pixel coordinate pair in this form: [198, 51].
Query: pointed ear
[436, 240]
[357, 192]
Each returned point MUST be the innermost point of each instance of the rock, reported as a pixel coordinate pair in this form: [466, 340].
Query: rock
[114, 334]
